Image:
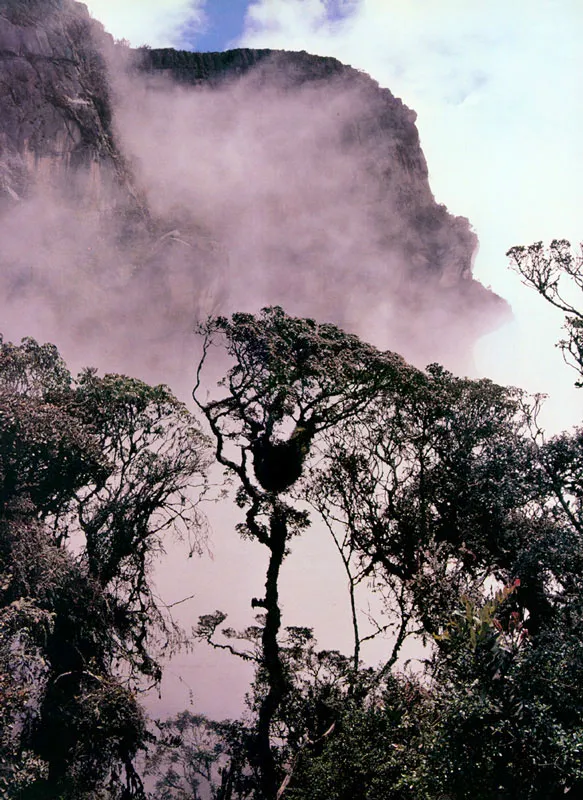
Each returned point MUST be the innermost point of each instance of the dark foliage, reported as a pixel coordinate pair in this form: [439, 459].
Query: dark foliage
[439, 490]
[93, 473]
[556, 273]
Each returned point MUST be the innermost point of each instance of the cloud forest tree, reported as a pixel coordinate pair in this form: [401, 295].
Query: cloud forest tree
[424, 483]
[444, 496]
[93, 474]
[556, 273]
[292, 380]
[435, 488]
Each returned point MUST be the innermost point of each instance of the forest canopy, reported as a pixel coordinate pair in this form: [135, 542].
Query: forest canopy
[94, 474]
[442, 497]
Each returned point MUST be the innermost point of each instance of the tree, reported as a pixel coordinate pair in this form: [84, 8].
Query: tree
[93, 474]
[291, 381]
[443, 495]
[423, 488]
[434, 489]
[199, 758]
[508, 707]
[373, 751]
[547, 271]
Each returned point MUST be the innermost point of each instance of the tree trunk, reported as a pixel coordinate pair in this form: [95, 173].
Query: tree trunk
[271, 657]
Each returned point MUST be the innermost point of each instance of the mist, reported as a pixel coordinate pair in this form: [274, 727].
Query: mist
[233, 197]
[497, 90]
[223, 199]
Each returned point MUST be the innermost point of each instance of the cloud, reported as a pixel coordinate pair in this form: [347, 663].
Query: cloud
[293, 17]
[257, 196]
[149, 21]
[496, 87]
[259, 193]
[481, 75]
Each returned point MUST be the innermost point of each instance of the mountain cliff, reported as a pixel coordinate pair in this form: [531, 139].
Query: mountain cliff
[386, 133]
[185, 183]
[54, 104]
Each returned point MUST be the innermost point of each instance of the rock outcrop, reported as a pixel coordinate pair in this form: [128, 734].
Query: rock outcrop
[386, 133]
[62, 127]
[55, 112]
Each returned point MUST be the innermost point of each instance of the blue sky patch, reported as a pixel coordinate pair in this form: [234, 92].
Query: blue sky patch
[225, 20]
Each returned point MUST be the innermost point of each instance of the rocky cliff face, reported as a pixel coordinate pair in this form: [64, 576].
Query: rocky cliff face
[54, 104]
[382, 128]
[191, 182]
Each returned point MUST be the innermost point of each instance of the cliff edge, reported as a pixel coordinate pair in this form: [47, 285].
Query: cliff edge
[204, 182]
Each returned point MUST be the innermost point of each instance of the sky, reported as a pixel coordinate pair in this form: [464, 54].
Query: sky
[497, 89]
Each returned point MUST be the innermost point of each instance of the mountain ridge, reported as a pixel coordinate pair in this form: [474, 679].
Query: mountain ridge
[62, 124]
